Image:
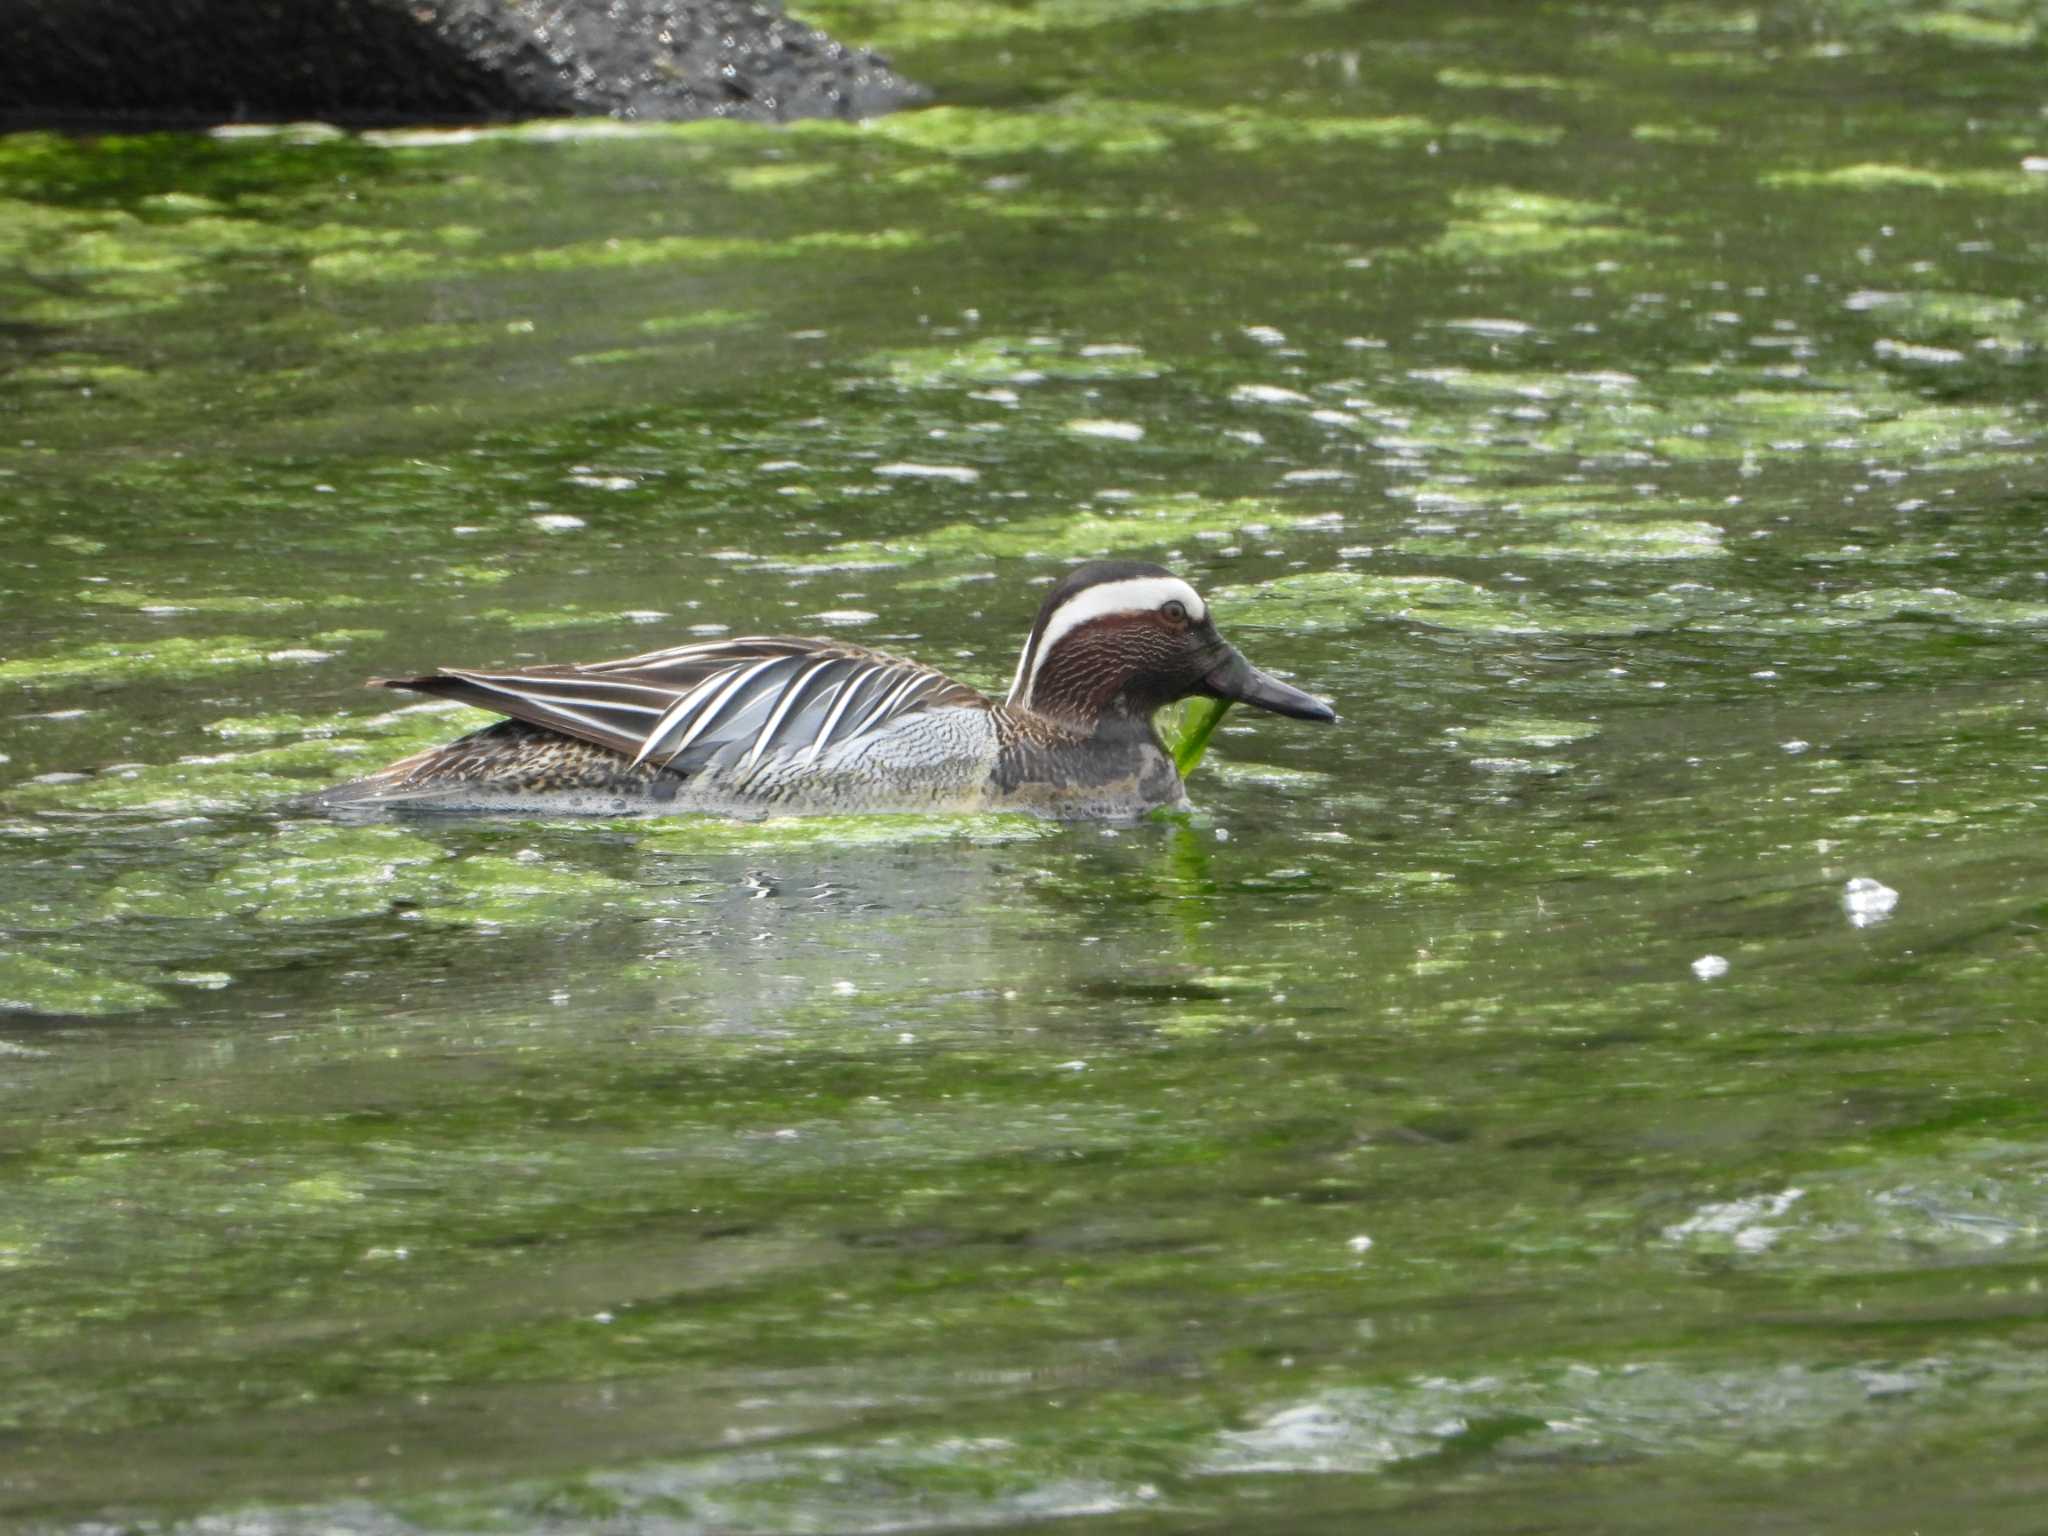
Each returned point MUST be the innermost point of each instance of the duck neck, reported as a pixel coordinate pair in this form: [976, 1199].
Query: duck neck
[1117, 730]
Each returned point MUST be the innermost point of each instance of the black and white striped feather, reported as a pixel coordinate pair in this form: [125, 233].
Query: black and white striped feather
[728, 702]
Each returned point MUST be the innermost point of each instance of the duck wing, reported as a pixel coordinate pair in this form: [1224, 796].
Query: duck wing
[744, 698]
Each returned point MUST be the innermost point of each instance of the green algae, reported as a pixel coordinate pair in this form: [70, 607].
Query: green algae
[1121, 130]
[612, 356]
[1465, 79]
[61, 985]
[774, 178]
[377, 264]
[1512, 223]
[895, 27]
[684, 250]
[305, 753]
[1008, 360]
[121, 264]
[174, 656]
[1587, 539]
[1976, 30]
[483, 889]
[1965, 319]
[278, 723]
[1666, 591]
[475, 575]
[1877, 604]
[209, 602]
[1096, 128]
[1676, 133]
[1343, 600]
[1878, 176]
[312, 873]
[1253, 132]
[81, 372]
[569, 616]
[1095, 532]
[699, 320]
[316, 875]
[1525, 732]
[711, 835]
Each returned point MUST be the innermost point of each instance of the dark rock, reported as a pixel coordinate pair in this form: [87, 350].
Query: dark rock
[362, 61]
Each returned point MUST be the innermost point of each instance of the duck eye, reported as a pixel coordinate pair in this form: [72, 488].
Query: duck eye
[1175, 610]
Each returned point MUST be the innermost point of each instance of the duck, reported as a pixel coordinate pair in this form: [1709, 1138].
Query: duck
[777, 725]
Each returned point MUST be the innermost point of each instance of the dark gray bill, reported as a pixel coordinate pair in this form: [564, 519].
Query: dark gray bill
[1238, 679]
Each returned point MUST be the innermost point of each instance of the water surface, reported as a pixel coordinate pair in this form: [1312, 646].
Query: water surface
[1600, 1077]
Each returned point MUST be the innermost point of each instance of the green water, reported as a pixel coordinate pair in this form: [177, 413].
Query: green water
[1499, 1111]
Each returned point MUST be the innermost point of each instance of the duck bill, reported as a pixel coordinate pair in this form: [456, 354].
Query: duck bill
[1239, 680]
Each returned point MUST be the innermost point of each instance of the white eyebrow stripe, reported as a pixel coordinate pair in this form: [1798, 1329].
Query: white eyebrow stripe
[1134, 594]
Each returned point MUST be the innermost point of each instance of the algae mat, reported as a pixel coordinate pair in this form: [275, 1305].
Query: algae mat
[1601, 1077]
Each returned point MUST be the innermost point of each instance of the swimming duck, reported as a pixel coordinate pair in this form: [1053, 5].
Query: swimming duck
[775, 725]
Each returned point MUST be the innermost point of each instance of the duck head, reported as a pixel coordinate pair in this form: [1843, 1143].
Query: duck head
[1117, 640]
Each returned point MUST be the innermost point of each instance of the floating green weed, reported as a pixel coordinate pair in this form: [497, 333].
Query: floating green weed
[305, 753]
[944, 21]
[1117, 129]
[776, 178]
[1676, 133]
[1251, 130]
[1323, 600]
[1591, 539]
[1460, 78]
[1538, 733]
[614, 355]
[1496, 130]
[1877, 603]
[1880, 176]
[1187, 727]
[1093, 533]
[60, 984]
[975, 132]
[1008, 360]
[710, 834]
[376, 266]
[75, 371]
[323, 872]
[172, 656]
[114, 263]
[1514, 223]
[210, 602]
[699, 320]
[1975, 30]
[685, 250]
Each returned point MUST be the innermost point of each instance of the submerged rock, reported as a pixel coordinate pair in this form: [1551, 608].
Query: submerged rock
[414, 60]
